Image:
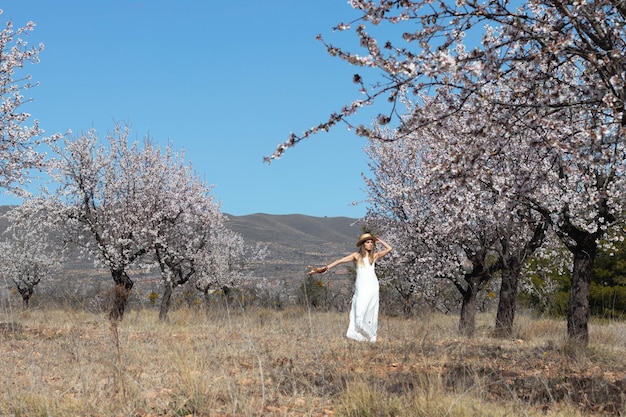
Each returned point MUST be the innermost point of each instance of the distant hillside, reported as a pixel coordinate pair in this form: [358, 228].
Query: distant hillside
[294, 241]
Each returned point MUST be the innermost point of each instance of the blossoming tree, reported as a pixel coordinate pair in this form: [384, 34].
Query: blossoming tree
[130, 204]
[19, 142]
[183, 219]
[101, 203]
[561, 65]
[447, 225]
[28, 254]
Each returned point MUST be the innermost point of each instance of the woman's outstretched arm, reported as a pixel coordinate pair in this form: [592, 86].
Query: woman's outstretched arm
[345, 259]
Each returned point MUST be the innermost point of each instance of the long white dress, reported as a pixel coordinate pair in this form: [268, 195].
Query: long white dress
[364, 311]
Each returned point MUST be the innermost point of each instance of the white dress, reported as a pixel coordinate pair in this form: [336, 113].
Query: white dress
[364, 311]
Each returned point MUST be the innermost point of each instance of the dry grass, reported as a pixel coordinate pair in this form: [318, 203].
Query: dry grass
[298, 363]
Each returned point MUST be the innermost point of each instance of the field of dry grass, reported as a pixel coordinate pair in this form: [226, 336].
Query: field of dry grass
[298, 363]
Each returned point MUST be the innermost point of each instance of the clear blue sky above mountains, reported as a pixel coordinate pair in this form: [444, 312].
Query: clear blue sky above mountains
[224, 81]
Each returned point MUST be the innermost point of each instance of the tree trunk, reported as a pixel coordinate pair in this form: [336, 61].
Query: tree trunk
[166, 300]
[511, 263]
[467, 322]
[407, 308]
[578, 308]
[26, 295]
[121, 292]
[506, 306]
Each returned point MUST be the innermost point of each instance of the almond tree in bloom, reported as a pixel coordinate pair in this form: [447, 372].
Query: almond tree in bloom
[423, 262]
[449, 225]
[18, 141]
[553, 69]
[131, 205]
[27, 254]
[102, 203]
[184, 223]
[541, 161]
[223, 267]
[226, 261]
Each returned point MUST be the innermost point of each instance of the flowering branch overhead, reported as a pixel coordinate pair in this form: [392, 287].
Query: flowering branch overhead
[470, 46]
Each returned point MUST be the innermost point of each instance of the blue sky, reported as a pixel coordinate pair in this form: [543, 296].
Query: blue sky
[224, 81]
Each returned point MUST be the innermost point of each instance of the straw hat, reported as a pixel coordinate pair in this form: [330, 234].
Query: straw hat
[364, 237]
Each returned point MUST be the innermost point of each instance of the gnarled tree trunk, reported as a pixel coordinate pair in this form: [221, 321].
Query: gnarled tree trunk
[121, 293]
[467, 321]
[511, 263]
[166, 300]
[476, 280]
[578, 308]
[506, 306]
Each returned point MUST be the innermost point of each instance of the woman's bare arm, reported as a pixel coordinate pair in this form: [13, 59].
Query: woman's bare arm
[345, 259]
[383, 252]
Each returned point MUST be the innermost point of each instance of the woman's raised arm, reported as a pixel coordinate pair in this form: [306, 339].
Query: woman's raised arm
[383, 252]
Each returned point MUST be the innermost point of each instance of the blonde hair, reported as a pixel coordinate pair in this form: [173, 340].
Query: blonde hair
[363, 253]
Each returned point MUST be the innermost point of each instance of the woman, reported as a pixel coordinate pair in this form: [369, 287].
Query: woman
[364, 311]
